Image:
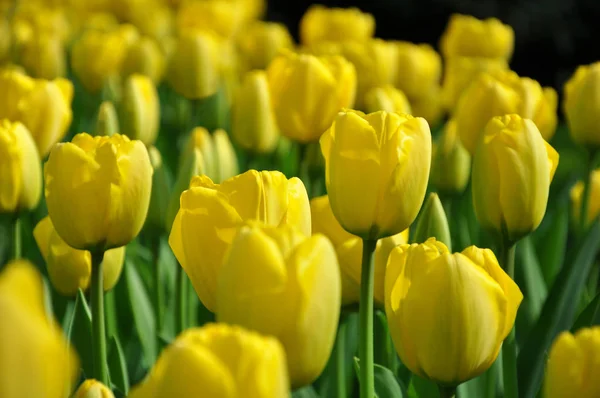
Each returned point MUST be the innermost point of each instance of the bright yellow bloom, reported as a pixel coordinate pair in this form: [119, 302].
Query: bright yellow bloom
[320, 23]
[471, 37]
[451, 162]
[307, 92]
[44, 57]
[140, 109]
[27, 336]
[222, 17]
[107, 122]
[260, 42]
[377, 168]
[93, 389]
[594, 201]
[291, 285]
[419, 69]
[581, 105]
[146, 58]
[512, 171]
[386, 98]
[218, 360]
[253, 121]
[111, 175]
[210, 214]
[437, 305]
[20, 171]
[71, 269]
[573, 365]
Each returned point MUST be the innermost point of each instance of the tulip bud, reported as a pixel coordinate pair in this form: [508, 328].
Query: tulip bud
[222, 17]
[93, 389]
[512, 171]
[433, 223]
[159, 197]
[429, 106]
[292, 279]
[429, 296]
[21, 176]
[206, 207]
[227, 164]
[218, 360]
[581, 105]
[201, 140]
[253, 125]
[44, 57]
[140, 109]
[386, 98]
[594, 201]
[573, 364]
[145, 58]
[545, 116]
[368, 186]
[335, 24]
[261, 42]
[112, 175]
[419, 68]
[451, 162]
[107, 122]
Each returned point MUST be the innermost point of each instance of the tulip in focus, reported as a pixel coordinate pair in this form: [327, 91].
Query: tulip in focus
[594, 201]
[377, 169]
[93, 389]
[581, 105]
[386, 98]
[291, 285]
[145, 58]
[320, 23]
[261, 42]
[140, 109]
[429, 297]
[451, 162]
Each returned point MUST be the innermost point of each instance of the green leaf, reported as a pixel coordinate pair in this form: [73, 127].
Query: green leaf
[386, 384]
[80, 333]
[590, 316]
[143, 316]
[422, 388]
[305, 392]
[554, 244]
[110, 311]
[557, 314]
[117, 365]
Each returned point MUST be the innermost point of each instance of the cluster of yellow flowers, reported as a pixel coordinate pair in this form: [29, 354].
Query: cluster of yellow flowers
[278, 263]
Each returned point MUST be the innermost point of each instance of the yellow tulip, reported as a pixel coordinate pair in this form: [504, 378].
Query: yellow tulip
[512, 171]
[451, 162]
[93, 389]
[44, 57]
[419, 69]
[201, 140]
[260, 42]
[214, 212]
[222, 17]
[71, 269]
[140, 109]
[307, 92]
[573, 365]
[21, 174]
[320, 23]
[107, 122]
[429, 297]
[386, 98]
[36, 359]
[377, 169]
[581, 104]
[429, 106]
[349, 251]
[291, 285]
[112, 175]
[218, 360]
[5, 39]
[594, 201]
[193, 67]
[227, 164]
[146, 58]
[155, 20]
[253, 121]
[471, 37]
[545, 116]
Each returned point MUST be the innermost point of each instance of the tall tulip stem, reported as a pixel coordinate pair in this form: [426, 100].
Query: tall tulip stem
[340, 358]
[365, 313]
[17, 238]
[509, 347]
[447, 392]
[98, 329]
[180, 300]
[585, 198]
[158, 288]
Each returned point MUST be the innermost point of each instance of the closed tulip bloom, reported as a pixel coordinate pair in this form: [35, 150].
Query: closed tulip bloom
[594, 201]
[451, 162]
[377, 169]
[220, 16]
[93, 389]
[213, 212]
[112, 175]
[386, 98]
[581, 104]
[140, 109]
[201, 140]
[307, 92]
[429, 106]
[320, 23]
[27, 336]
[71, 269]
[573, 365]
[429, 303]
[107, 122]
[218, 360]
[44, 57]
[291, 285]
[419, 68]
[545, 116]
[227, 164]
[21, 174]
[512, 171]
[468, 36]
[253, 120]
[145, 58]
[261, 42]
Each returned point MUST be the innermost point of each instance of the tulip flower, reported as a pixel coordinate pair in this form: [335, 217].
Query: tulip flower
[577, 191]
[93, 389]
[44, 57]
[436, 329]
[218, 360]
[291, 285]
[140, 109]
[581, 104]
[71, 269]
[107, 122]
[307, 92]
[36, 359]
[335, 24]
[145, 58]
[260, 43]
[419, 69]
[451, 162]
[573, 365]
[429, 106]
[215, 211]
[386, 98]
[227, 165]
[545, 116]
[219, 16]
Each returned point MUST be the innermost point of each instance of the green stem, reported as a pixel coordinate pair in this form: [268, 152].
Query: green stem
[180, 297]
[17, 239]
[447, 392]
[98, 330]
[340, 359]
[365, 314]
[158, 285]
[509, 347]
[585, 198]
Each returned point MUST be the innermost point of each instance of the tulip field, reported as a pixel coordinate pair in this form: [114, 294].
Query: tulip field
[194, 203]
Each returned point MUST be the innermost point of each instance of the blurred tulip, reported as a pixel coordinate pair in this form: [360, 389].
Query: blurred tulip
[227, 164]
[44, 57]
[5, 39]
[594, 202]
[112, 175]
[159, 197]
[145, 58]
[582, 104]
[93, 389]
[433, 223]
[512, 171]
[307, 92]
[545, 116]
[21, 174]
[291, 285]
[140, 109]
[320, 23]
[429, 297]
[260, 43]
[386, 98]
[71, 269]
[222, 17]
[377, 169]
[419, 69]
[36, 359]
[429, 106]
[451, 162]
[213, 212]
[154, 19]
[218, 360]
[107, 122]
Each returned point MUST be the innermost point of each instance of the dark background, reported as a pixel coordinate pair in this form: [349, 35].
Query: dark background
[552, 37]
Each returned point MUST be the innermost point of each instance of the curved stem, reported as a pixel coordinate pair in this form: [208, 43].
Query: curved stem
[509, 347]
[17, 238]
[98, 329]
[365, 313]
